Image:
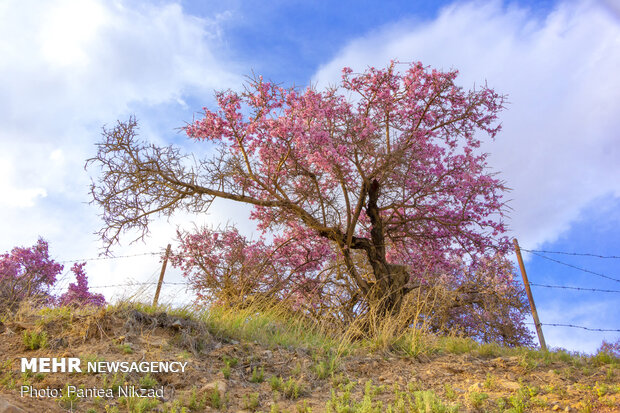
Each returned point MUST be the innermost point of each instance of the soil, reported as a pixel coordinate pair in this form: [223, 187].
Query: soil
[130, 335]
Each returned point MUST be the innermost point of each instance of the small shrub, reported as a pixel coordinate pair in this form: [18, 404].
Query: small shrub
[114, 382]
[250, 401]
[194, 403]
[35, 340]
[450, 393]
[230, 361]
[148, 382]
[477, 399]
[427, 401]
[125, 348]
[326, 367]
[226, 371]
[276, 383]
[291, 389]
[519, 401]
[138, 404]
[258, 375]
[216, 400]
[68, 401]
[303, 407]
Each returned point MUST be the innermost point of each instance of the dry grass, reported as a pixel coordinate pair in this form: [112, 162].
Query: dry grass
[273, 358]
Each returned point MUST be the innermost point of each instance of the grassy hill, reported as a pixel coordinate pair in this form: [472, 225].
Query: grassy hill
[269, 360]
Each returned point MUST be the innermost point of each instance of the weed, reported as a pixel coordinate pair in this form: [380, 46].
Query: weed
[230, 361]
[291, 389]
[91, 358]
[489, 382]
[427, 401]
[303, 407]
[125, 348]
[111, 409]
[148, 382]
[216, 400]
[138, 404]
[601, 389]
[609, 376]
[489, 350]
[603, 358]
[519, 400]
[533, 390]
[114, 382]
[35, 340]
[339, 379]
[276, 383]
[326, 367]
[297, 369]
[450, 393]
[258, 375]
[226, 371]
[477, 399]
[68, 400]
[194, 403]
[250, 401]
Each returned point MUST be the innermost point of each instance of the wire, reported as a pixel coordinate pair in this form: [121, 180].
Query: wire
[138, 283]
[573, 253]
[575, 267]
[575, 288]
[574, 326]
[109, 258]
[122, 285]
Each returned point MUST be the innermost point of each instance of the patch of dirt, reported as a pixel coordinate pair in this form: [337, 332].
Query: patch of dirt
[474, 383]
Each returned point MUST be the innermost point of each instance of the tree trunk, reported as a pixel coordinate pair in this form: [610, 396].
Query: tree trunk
[391, 280]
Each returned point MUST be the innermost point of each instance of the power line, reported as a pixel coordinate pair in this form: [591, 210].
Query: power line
[574, 266]
[574, 326]
[575, 288]
[573, 253]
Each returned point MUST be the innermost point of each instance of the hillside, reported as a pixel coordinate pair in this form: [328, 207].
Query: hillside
[246, 360]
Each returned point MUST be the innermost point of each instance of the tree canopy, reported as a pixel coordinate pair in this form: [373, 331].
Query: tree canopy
[378, 181]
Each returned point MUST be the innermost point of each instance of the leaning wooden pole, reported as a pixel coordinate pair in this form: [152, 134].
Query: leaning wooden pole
[541, 337]
[161, 276]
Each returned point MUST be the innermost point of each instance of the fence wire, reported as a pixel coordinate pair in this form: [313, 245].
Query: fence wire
[579, 254]
[538, 253]
[573, 266]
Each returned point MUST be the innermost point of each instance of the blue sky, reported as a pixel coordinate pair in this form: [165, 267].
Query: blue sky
[67, 67]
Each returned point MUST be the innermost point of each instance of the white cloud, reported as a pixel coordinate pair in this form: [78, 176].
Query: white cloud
[66, 68]
[559, 148]
[13, 196]
[586, 314]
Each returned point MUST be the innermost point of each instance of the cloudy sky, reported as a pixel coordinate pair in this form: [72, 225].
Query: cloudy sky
[67, 67]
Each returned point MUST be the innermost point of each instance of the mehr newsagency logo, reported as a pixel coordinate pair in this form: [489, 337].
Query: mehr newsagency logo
[75, 365]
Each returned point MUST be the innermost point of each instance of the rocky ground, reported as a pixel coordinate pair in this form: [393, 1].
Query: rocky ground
[226, 374]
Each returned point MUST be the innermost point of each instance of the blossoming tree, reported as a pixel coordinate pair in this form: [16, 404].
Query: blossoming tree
[382, 173]
[28, 274]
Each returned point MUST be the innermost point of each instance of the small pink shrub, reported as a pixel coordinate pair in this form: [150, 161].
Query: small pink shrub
[28, 274]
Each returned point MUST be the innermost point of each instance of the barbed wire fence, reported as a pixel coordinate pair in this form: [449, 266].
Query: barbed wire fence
[544, 254]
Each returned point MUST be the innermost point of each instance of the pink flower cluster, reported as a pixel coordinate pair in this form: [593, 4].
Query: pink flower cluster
[305, 159]
[77, 293]
[30, 273]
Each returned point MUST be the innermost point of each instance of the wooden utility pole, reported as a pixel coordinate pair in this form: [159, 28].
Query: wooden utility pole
[161, 276]
[539, 331]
